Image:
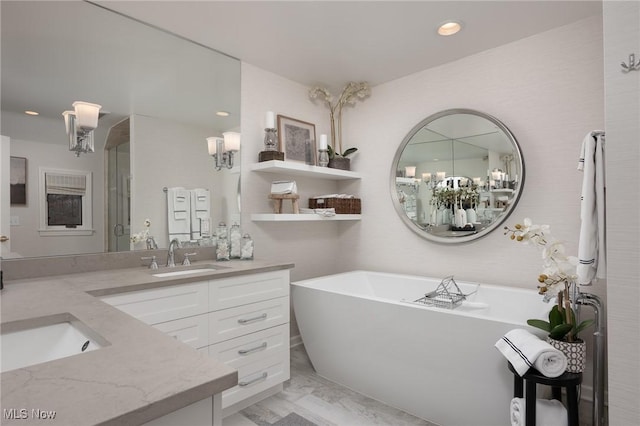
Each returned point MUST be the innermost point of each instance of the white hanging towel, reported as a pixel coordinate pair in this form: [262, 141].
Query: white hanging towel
[592, 262]
[179, 213]
[200, 213]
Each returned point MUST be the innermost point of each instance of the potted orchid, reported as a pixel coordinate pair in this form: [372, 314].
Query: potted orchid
[559, 273]
[143, 235]
[350, 94]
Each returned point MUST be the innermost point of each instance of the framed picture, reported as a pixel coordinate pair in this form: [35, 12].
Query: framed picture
[18, 181]
[297, 139]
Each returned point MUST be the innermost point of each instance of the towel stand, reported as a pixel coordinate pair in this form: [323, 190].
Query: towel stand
[533, 377]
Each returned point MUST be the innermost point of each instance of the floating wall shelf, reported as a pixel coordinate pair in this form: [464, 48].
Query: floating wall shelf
[271, 217]
[300, 169]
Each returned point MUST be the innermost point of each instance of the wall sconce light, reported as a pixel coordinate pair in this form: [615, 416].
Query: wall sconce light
[223, 149]
[80, 125]
[433, 179]
[410, 171]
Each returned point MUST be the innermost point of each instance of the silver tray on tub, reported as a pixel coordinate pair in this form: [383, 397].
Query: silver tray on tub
[447, 295]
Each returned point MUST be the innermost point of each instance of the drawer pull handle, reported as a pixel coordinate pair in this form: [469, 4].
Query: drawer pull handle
[248, 320]
[257, 379]
[257, 348]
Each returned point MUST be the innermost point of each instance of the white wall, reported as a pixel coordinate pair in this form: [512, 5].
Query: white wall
[545, 89]
[25, 238]
[158, 148]
[312, 246]
[622, 103]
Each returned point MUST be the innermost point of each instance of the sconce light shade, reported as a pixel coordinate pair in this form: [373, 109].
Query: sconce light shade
[212, 144]
[410, 171]
[86, 115]
[231, 141]
[222, 150]
[80, 124]
[69, 121]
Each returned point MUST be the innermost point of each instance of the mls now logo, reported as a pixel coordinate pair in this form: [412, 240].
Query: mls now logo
[15, 413]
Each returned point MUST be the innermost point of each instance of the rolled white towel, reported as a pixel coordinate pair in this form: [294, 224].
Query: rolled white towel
[548, 412]
[524, 350]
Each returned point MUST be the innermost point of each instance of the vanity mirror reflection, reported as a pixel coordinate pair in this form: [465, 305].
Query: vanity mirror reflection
[161, 97]
[457, 176]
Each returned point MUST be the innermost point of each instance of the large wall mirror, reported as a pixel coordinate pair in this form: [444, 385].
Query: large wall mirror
[457, 176]
[161, 97]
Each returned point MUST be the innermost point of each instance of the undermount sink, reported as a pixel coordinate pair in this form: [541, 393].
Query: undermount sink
[53, 337]
[185, 270]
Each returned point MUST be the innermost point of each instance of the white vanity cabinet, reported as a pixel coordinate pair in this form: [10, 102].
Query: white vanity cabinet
[242, 321]
[180, 310]
[249, 331]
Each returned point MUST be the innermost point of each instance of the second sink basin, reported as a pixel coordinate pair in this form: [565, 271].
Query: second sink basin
[184, 270]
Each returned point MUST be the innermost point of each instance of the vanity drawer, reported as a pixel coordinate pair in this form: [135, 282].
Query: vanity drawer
[251, 347]
[158, 305]
[246, 289]
[234, 322]
[194, 331]
[257, 377]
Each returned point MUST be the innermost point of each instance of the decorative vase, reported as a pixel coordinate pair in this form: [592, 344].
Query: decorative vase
[576, 353]
[341, 163]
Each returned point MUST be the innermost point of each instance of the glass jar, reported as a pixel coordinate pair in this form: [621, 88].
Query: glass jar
[235, 237]
[222, 242]
[247, 248]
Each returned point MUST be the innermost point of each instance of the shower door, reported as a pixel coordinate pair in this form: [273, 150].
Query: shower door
[119, 196]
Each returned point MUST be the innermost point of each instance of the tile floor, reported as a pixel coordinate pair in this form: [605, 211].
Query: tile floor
[321, 402]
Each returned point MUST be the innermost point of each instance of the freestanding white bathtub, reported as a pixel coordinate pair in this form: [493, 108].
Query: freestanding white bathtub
[435, 363]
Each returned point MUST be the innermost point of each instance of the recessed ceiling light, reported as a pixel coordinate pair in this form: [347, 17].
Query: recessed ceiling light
[449, 28]
[222, 113]
[28, 112]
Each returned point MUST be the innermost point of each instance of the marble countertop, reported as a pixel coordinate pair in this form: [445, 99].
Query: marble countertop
[141, 375]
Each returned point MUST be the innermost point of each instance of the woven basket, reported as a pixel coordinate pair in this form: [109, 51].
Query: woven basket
[342, 205]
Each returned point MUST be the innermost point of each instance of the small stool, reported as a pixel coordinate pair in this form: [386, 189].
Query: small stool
[277, 202]
[570, 381]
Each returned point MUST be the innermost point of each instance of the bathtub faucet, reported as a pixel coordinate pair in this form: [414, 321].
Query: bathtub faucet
[594, 301]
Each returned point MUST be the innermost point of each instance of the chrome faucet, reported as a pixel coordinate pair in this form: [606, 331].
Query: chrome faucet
[171, 255]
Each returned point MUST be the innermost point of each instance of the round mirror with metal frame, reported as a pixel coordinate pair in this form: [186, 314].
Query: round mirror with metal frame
[457, 176]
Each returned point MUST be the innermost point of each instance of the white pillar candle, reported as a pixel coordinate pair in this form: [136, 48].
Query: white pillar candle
[323, 142]
[270, 120]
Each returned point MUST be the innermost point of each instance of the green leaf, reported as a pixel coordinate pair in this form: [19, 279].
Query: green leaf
[542, 325]
[560, 331]
[556, 316]
[349, 151]
[332, 154]
[584, 324]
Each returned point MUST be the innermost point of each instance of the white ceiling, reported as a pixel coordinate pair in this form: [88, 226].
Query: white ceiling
[333, 42]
